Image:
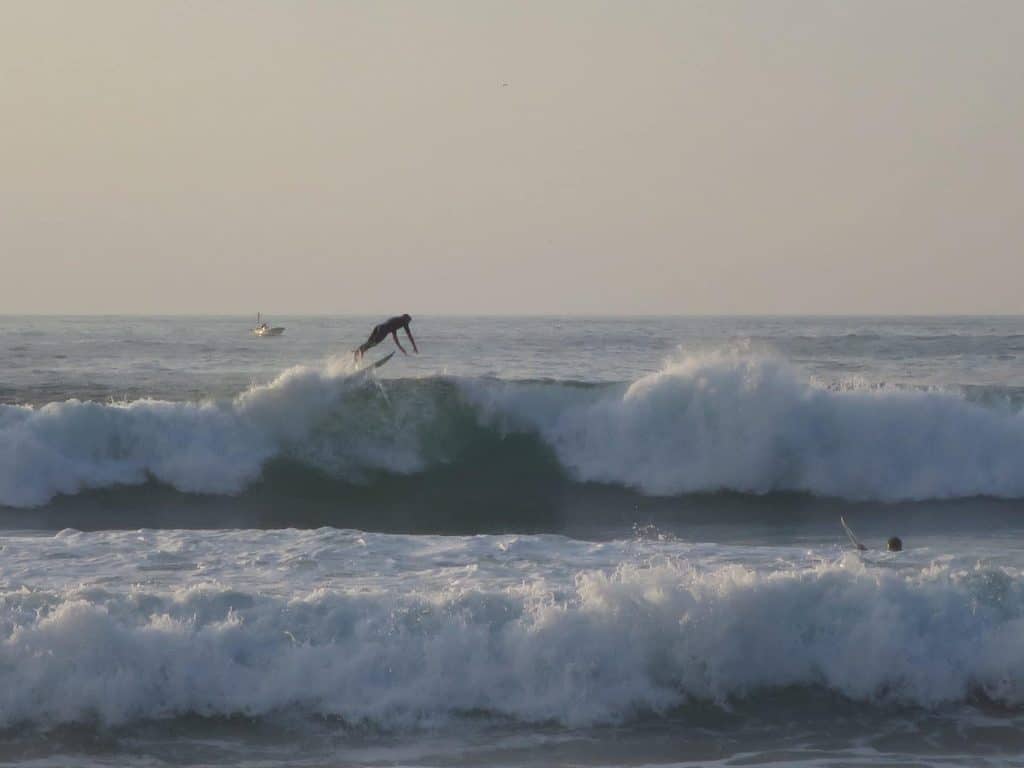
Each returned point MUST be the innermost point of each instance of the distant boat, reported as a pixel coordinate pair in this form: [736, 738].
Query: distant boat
[262, 329]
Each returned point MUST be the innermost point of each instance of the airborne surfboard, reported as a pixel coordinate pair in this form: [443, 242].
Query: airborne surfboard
[375, 364]
[379, 363]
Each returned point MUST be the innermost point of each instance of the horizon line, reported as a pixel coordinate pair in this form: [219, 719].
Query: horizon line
[539, 315]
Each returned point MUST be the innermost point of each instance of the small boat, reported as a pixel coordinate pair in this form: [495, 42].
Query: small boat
[262, 329]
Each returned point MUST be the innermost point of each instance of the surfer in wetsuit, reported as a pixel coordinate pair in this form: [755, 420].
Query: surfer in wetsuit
[380, 332]
[894, 544]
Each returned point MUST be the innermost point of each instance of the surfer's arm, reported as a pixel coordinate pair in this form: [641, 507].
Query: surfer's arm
[409, 334]
[394, 335]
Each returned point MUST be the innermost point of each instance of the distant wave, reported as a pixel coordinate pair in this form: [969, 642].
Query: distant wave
[707, 423]
[610, 647]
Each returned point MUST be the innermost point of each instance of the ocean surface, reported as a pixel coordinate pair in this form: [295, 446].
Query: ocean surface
[541, 541]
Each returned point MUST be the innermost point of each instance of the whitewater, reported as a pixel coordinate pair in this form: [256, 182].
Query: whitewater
[543, 541]
[705, 423]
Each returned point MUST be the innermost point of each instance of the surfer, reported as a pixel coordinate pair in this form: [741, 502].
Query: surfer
[380, 332]
[894, 544]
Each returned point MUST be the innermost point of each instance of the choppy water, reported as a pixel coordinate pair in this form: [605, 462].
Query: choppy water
[575, 541]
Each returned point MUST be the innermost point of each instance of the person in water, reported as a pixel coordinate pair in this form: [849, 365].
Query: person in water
[894, 544]
[380, 332]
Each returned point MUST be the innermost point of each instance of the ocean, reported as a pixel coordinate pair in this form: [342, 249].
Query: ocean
[542, 541]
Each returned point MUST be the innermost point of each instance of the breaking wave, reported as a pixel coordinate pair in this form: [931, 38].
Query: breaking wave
[603, 647]
[703, 424]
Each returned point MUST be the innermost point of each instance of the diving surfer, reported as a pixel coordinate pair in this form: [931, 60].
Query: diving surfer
[380, 332]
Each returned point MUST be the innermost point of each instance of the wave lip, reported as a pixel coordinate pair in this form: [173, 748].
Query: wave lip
[204, 447]
[718, 422]
[748, 424]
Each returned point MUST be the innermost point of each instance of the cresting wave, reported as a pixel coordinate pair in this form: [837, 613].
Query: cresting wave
[715, 422]
[601, 648]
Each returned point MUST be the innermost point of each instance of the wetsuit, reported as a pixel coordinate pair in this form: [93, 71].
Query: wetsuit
[381, 331]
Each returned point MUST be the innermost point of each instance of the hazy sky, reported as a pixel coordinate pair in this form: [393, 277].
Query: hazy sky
[644, 157]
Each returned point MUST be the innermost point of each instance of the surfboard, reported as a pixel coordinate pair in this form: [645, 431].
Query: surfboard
[379, 363]
[372, 366]
[853, 539]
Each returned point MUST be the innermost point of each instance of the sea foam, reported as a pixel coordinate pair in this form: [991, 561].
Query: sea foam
[751, 424]
[590, 646]
[708, 423]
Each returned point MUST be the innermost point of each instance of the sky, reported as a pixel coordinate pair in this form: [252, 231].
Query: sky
[555, 157]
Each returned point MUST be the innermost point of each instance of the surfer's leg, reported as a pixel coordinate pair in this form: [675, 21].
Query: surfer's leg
[376, 337]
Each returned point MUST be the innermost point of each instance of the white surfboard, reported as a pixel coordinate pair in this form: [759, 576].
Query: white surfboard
[853, 539]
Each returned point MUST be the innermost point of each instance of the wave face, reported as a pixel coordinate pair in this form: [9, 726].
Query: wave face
[704, 424]
[537, 629]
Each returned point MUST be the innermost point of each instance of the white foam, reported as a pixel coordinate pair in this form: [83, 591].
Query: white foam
[644, 628]
[713, 422]
[210, 447]
[753, 424]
